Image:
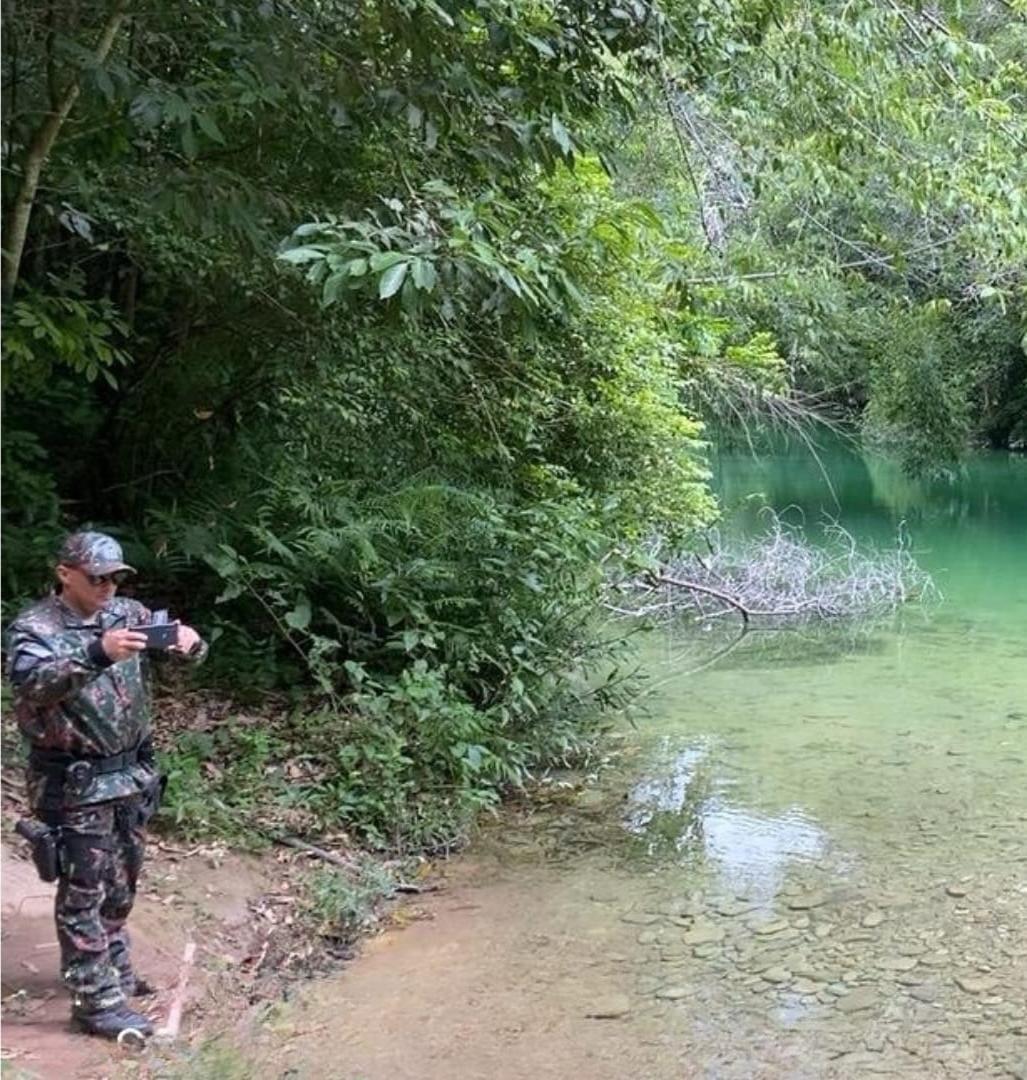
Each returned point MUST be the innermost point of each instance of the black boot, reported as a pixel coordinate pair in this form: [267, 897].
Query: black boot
[111, 1022]
[136, 986]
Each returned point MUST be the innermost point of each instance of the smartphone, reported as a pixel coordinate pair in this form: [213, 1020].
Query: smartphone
[159, 636]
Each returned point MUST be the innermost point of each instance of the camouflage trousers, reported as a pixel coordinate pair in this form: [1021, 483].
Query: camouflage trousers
[102, 854]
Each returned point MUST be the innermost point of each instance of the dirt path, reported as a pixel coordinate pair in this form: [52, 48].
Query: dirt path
[203, 900]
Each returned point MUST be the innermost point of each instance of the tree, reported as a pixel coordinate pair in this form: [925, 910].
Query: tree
[333, 310]
[859, 168]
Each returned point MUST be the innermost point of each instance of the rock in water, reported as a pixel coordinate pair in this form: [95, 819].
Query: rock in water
[640, 918]
[805, 901]
[976, 984]
[610, 1008]
[897, 963]
[704, 933]
[863, 998]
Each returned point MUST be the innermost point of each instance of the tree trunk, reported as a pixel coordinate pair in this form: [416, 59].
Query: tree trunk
[16, 223]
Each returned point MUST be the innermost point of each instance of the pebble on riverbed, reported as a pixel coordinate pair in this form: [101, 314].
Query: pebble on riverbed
[611, 1008]
[640, 918]
[806, 901]
[863, 998]
[765, 927]
[703, 933]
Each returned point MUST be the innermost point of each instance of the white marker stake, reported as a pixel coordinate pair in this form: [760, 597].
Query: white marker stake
[170, 1030]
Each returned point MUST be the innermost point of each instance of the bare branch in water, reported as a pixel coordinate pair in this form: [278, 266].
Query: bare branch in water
[780, 577]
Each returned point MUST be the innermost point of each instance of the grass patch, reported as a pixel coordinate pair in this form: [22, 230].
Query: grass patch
[214, 1059]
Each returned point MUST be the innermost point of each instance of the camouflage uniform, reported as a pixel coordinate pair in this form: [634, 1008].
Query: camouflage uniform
[73, 704]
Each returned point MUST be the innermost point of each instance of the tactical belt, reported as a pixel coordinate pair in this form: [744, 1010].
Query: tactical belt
[56, 762]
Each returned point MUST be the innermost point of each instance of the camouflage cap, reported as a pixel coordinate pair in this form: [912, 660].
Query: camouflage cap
[94, 552]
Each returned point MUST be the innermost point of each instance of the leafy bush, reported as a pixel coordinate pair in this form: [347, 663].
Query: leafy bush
[343, 904]
[216, 782]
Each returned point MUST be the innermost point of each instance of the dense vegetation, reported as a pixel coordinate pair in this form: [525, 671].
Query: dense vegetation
[857, 179]
[379, 329]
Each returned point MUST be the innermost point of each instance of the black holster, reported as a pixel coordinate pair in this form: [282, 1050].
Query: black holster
[44, 842]
[150, 798]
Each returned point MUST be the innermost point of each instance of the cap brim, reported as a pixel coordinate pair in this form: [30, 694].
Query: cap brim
[108, 568]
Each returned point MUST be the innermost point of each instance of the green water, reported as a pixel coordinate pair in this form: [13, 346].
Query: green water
[867, 730]
[882, 767]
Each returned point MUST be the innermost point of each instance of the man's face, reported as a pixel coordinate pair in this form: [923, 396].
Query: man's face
[86, 593]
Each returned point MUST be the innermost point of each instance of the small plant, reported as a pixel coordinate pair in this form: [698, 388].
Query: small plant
[213, 1059]
[343, 904]
[216, 782]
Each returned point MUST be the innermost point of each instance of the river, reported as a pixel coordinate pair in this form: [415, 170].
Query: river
[807, 860]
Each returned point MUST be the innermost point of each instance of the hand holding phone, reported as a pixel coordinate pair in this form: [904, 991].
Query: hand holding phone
[159, 636]
[122, 644]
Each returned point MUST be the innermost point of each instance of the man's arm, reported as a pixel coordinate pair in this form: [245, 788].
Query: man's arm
[46, 670]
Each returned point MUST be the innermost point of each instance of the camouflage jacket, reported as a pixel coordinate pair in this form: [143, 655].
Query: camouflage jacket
[69, 697]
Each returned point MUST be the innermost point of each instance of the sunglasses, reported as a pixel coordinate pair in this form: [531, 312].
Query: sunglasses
[119, 577]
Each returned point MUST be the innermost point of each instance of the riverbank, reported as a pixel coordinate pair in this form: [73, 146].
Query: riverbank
[531, 970]
[567, 941]
[804, 861]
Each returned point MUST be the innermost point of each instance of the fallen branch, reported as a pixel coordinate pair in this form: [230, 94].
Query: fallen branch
[319, 853]
[694, 586]
[776, 577]
[181, 852]
[346, 864]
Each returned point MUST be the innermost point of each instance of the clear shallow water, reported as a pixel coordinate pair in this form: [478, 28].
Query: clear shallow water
[884, 769]
[862, 736]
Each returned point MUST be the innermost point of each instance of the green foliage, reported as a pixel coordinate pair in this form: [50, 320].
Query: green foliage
[336, 315]
[852, 171]
[31, 516]
[216, 783]
[448, 633]
[61, 327]
[918, 397]
[343, 904]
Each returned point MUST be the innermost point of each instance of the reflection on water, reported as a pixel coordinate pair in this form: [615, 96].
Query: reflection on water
[863, 787]
[754, 851]
[678, 811]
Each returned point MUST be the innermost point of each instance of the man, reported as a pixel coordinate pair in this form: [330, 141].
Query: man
[79, 672]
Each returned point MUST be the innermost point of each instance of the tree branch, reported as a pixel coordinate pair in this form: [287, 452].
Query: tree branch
[694, 586]
[17, 219]
[875, 260]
